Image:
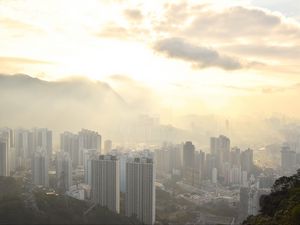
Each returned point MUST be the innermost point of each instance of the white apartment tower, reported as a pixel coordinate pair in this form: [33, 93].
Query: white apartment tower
[140, 190]
[64, 170]
[40, 167]
[4, 163]
[69, 142]
[88, 140]
[105, 181]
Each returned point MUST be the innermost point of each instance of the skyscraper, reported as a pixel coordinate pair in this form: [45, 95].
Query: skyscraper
[210, 163]
[199, 167]
[88, 156]
[105, 182]
[188, 162]
[69, 142]
[40, 167]
[42, 138]
[107, 146]
[288, 160]
[247, 160]
[220, 148]
[140, 190]
[88, 140]
[64, 171]
[6, 152]
[4, 162]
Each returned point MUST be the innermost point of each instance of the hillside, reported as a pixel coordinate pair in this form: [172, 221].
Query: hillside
[282, 206]
[17, 207]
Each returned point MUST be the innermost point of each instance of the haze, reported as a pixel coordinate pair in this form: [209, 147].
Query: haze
[192, 64]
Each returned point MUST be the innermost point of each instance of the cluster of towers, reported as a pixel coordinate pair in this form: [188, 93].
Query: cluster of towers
[32, 150]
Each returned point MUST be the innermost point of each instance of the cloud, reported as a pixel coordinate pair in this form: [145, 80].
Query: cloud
[237, 36]
[133, 15]
[71, 103]
[246, 36]
[114, 30]
[267, 51]
[19, 27]
[266, 89]
[201, 57]
[20, 60]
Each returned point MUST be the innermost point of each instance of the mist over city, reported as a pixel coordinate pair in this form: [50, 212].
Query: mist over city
[150, 112]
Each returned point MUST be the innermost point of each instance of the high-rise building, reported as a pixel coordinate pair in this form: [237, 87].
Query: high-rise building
[88, 156]
[7, 157]
[40, 167]
[210, 163]
[88, 140]
[105, 186]
[162, 159]
[247, 160]
[140, 190]
[64, 171]
[69, 143]
[254, 199]
[176, 158]
[4, 160]
[236, 175]
[24, 147]
[244, 179]
[42, 138]
[288, 160]
[220, 148]
[214, 176]
[235, 156]
[188, 162]
[199, 167]
[107, 146]
[123, 160]
[244, 201]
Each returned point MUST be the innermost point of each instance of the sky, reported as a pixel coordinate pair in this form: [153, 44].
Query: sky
[230, 57]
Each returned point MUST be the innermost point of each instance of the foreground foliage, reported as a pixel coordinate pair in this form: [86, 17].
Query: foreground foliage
[282, 206]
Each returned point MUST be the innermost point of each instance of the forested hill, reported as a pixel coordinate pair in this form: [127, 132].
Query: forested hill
[282, 206]
[19, 207]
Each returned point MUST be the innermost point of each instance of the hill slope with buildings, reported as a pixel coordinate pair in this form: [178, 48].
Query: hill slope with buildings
[282, 206]
[40, 207]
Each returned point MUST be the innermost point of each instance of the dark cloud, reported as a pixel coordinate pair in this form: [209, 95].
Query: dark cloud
[199, 56]
[241, 34]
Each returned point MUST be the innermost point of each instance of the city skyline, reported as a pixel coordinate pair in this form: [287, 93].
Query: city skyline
[153, 112]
